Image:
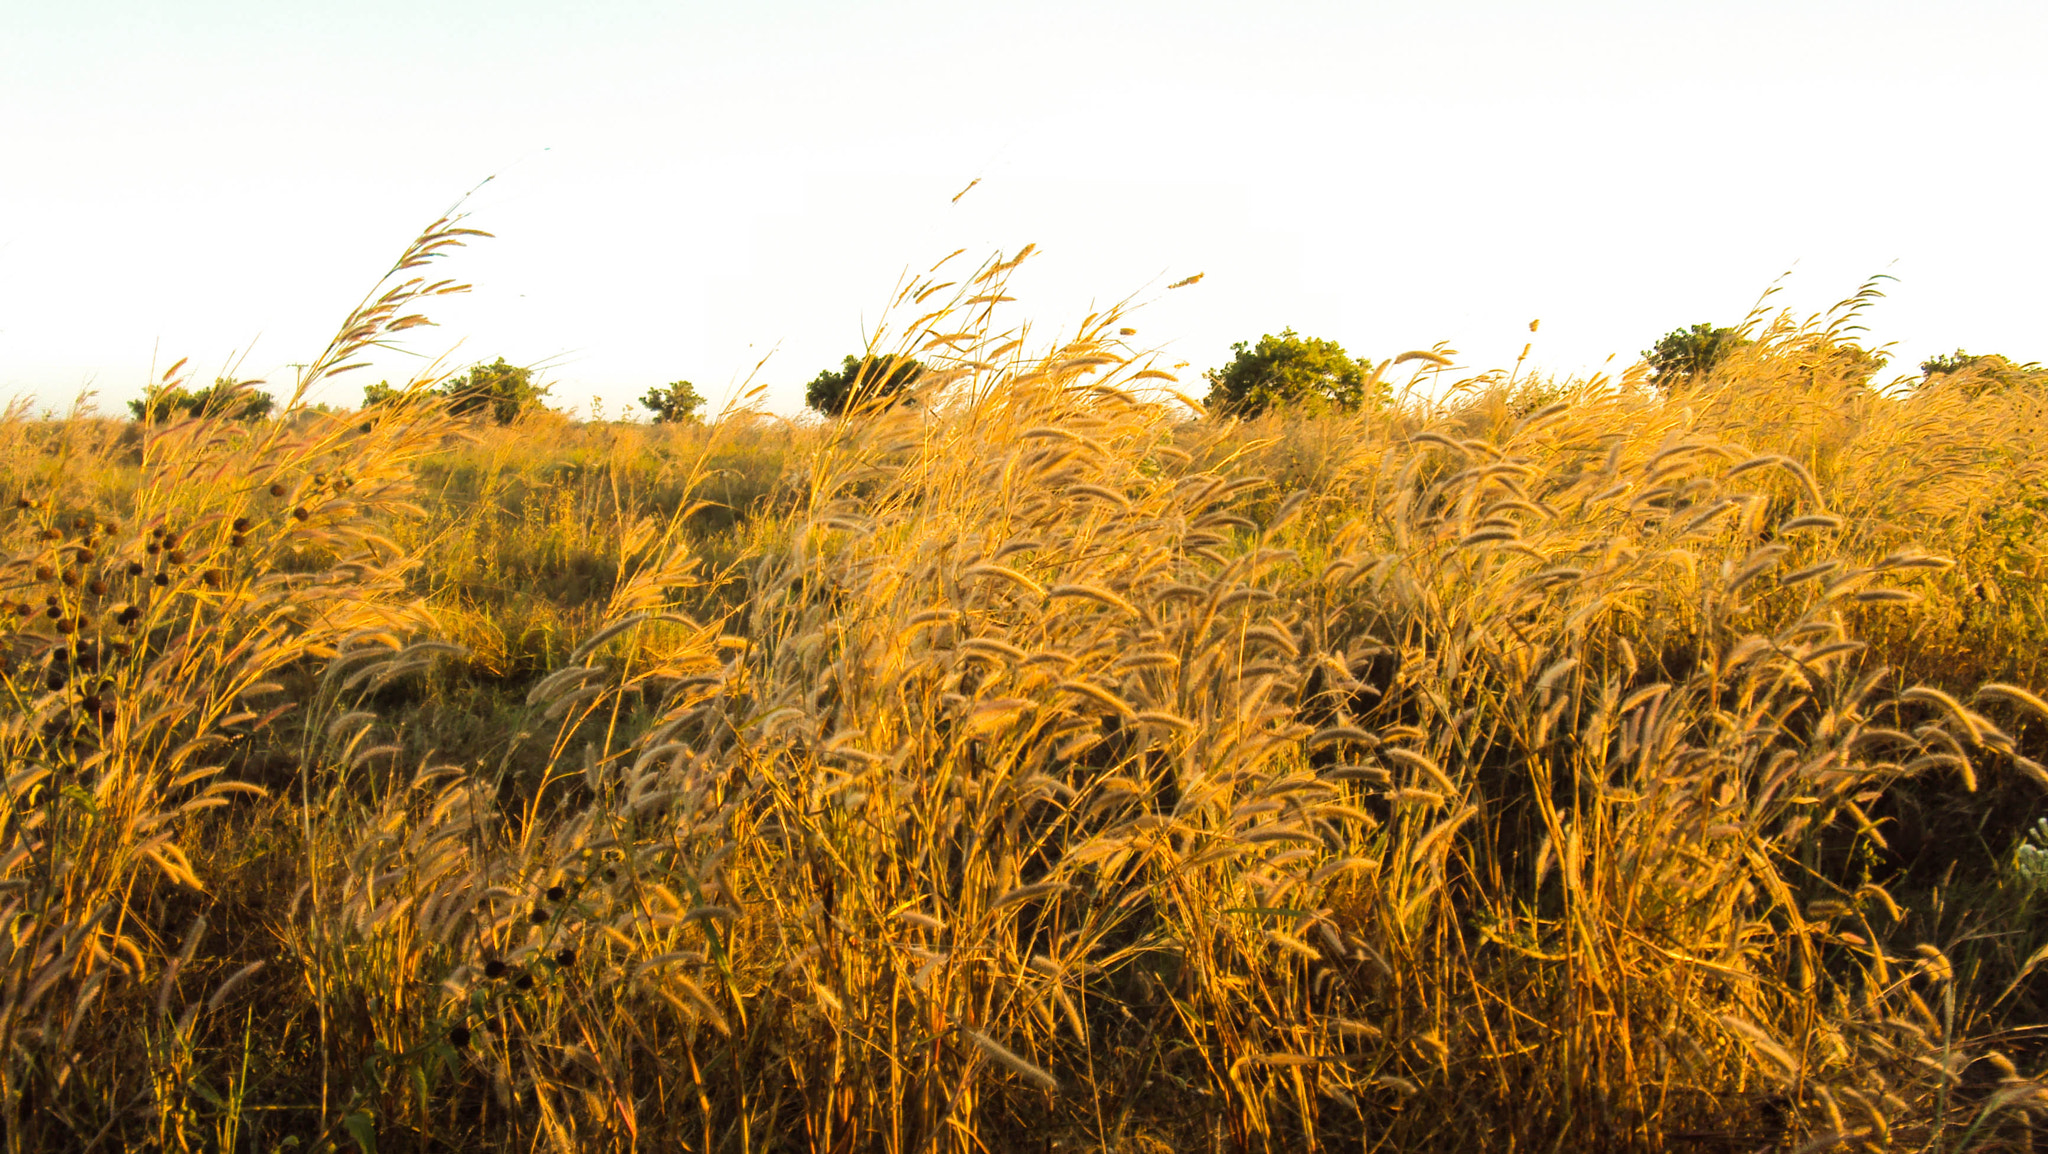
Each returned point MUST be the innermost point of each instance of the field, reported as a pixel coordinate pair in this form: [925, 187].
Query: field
[1529, 764]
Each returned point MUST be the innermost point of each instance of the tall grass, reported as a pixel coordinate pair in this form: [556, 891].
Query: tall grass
[1030, 766]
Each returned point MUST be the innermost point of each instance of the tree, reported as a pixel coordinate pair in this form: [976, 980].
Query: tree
[500, 389]
[677, 403]
[1979, 374]
[862, 382]
[1685, 355]
[1291, 371]
[237, 400]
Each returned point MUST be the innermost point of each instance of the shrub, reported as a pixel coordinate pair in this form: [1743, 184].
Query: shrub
[236, 400]
[1685, 355]
[675, 403]
[862, 382]
[1292, 371]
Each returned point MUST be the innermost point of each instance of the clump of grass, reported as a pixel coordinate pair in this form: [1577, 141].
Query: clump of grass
[1516, 768]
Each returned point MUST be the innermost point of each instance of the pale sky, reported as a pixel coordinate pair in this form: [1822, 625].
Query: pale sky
[681, 188]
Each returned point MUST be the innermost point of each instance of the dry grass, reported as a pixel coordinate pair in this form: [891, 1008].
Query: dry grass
[1545, 766]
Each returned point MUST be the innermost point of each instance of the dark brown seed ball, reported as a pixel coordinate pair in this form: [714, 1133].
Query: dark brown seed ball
[91, 703]
[70, 579]
[24, 610]
[566, 956]
[52, 600]
[154, 549]
[277, 490]
[83, 622]
[176, 557]
[85, 556]
[237, 541]
[55, 611]
[55, 680]
[44, 572]
[64, 626]
[458, 1037]
[156, 532]
[301, 513]
[557, 893]
[81, 523]
[241, 524]
[170, 540]
[24, 503]
[53, 534]
[130, 615]
[525, 982]
[135, 568]
[98, 588]
[538, 917]
[494, 969]
[161, 580]
[212, 578]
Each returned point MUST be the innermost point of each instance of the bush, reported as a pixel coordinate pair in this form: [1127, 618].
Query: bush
[862, 382]
[502, 390]
[238, 400]
[1292, 371]
[675, 403]
[1685, 355]
[1979, 374]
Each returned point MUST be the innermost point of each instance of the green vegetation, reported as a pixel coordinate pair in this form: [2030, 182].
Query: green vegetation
[1686, 355]
[676, 402]
[1293, 372]
[500, 390]
[235, 400]
[1034, 765]
[861, 383]
[1985, 373]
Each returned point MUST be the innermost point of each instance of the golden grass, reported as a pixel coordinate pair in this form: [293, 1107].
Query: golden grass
[1549, 765]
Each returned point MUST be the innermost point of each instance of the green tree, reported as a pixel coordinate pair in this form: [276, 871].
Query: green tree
[861, 382]
[1980, 373]
[238, 400]
[1291, 371]
[502, 390]
[676, 403]
[1688, 354]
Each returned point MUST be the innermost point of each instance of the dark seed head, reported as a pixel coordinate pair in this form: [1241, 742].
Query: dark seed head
[135, 568]
[176, 557]
[81, 523]
[53, 534]
[55, 611]
[161, 580]
[98, 588]
[557, 893]
[525, 982]
[154, 549]
[44, 572]
[70, 579]
[241, 524]
[170, 540]
[55, 680]
[85, 556]
[91, 703]
[212, 578]
[566, 956]
[64, 627]
[494, 969]
[130, 615]
[610, 874]
[538, 917]
[237, 541]
[24, 610]
[301, 513]
[277, 490]
[458, 1037]
[156, 532]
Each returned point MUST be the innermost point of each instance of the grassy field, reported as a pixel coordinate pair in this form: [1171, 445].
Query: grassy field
[1528, 765]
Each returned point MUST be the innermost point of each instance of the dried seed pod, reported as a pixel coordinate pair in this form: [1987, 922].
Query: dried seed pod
[494, 969]
[557, 893]
[277, 490]
[135, 568]
[44, 572]
[161, 580]
[98, 588]
[301, 513]
[566, 956]
[176, 557]
[241, 524]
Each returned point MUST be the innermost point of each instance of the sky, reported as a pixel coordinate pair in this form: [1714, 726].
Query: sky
[679, 190]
